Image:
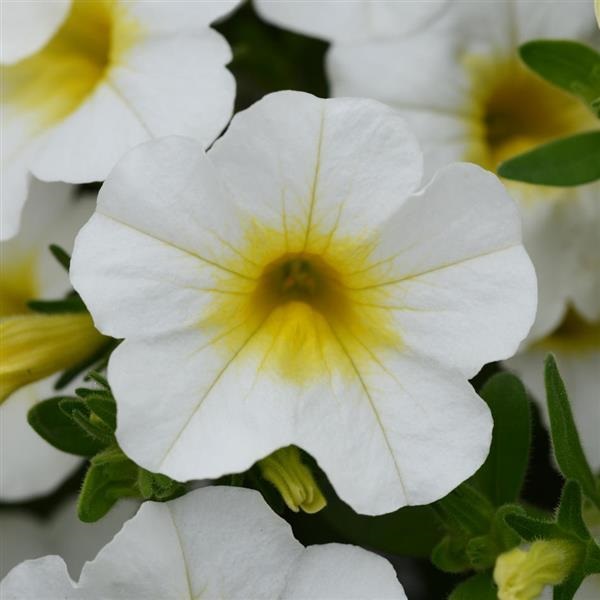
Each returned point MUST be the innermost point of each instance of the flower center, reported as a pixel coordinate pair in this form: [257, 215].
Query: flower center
[53, 82]
[301, 277]
[517, 111]
[574, 334]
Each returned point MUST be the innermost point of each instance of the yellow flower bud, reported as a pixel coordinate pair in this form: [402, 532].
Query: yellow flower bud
[522, 574]
[35, 346]
[293, 479]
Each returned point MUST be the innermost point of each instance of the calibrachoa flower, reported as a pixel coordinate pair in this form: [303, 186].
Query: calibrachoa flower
[293, 286]
[28, 465]
[350, 21]
[83, 81]
[465, 92]
[211, 543]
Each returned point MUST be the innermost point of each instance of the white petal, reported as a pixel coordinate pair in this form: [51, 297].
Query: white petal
[29, 466]
[14, 185]
[350, 21]
[65, 154]
[178, 85]
[178, 16]
[461, 288]
[45, 577]
[211, 543]
[212, 413]
[339, 165]
[164, 209]
[590, 588]
[28, 25]
[555, 19]
[579, 371]
[51, 216]
[336, 571]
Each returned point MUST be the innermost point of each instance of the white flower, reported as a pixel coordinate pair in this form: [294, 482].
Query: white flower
[353, 21]
[29, 466]
[84, 81]
[294, 287]
[25, 536]
[462, 88]
[211, 543]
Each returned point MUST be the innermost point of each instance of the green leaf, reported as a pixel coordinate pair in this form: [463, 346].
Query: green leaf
[478, 587]
[565, 439]
[569, 65]
[71, 304]
[501, 476]
[566, 162]
[59, 430]
[61, 256]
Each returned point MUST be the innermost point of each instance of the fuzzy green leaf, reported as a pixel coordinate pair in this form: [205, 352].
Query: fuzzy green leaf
[501, 476]
[565, 439]
[566, 162]
[59, 430]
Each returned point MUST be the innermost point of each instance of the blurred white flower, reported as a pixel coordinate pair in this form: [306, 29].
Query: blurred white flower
[358, 20]
[465, 92]
[294, 287]
[29, 466]
[211, 543]
[25, 536]
[84, 81]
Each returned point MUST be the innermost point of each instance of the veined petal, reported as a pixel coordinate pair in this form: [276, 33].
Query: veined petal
[211, 543]
[29, 466]
[314, 174]
[27, 26]
[350, 21]
[166, 196]
[449, 279]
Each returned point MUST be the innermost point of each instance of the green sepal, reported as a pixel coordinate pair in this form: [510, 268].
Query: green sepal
[478, 587]
[104, 408]
[70, 304]
[501, 476]
[567, 525]
[61, 256]
[155, 486]
[568, 65]
[450, 555]
[59, 429]
[100, 356]
[565, 439]
[111, 476]
[566, 162]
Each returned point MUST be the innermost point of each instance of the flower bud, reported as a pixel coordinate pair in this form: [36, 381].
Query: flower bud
[522, 574]
[35, 346]
[293, 479]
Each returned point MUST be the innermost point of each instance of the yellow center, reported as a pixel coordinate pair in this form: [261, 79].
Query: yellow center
[574, 334]
[516, 111]
[53, 82]
[306, 309]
